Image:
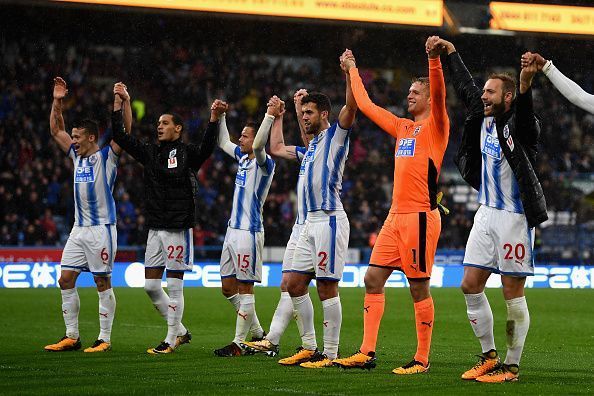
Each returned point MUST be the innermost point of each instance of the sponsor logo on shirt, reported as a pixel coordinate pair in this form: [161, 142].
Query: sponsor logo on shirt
[241, 177]
[510, 143]
[84, 174]
[491, 147]
[406, 147]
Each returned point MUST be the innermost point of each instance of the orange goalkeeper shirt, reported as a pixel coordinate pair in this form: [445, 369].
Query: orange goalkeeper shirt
[420, 146]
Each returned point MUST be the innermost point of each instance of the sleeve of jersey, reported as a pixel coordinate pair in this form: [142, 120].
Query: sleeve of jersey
[300, 152]
[72, 153]
[268, 166]
[527, 124]
[381, 117]
[225, 142]
[199, 154]
[131, 144]
[237, 152]
[437, 90]
[464, 84]
[568, 88]
[110, 155]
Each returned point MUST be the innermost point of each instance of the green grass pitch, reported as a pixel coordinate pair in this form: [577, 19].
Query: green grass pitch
[558, 357]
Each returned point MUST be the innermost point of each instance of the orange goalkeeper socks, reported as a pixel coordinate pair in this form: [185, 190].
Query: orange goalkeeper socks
[373, 310]
[424, 316]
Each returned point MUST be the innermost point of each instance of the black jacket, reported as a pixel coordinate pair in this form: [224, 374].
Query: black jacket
[169, 177]
[524, 129]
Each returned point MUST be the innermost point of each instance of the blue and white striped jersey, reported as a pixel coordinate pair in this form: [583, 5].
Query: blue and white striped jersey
[252, 183]
[322, 169]
[301, 207]
[499, 187]
[94, 178]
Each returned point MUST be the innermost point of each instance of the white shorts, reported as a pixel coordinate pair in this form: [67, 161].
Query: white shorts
[290, 250]
[91, 248]
[500, 242]
[241, 257]
[171, 249]
[323, 245]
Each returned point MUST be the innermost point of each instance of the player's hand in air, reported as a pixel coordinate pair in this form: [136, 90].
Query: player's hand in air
[527, 74]
[282, 108]
[60, 89]
[120, 89]
[274, 106]
[298, 96]
[217, 109]
[444, 46]
[432, 47]
[529, 58]
[347, 61]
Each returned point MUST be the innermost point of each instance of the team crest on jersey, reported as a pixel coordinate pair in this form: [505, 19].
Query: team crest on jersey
[84, 174]
[416, 131]
[93, 159]
[491, 147]
[406, 147]
[506, 131]
[172, 161]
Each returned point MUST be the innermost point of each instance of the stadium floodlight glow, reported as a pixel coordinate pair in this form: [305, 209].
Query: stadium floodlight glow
[418, 12]
[542, 18]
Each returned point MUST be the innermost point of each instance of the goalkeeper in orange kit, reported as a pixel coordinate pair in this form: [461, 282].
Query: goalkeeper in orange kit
[408, 239]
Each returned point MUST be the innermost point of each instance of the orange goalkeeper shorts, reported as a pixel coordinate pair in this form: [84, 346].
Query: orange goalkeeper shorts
[408, 242]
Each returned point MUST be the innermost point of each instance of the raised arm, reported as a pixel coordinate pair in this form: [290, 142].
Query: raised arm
[278, 148]
[122, 101]
[528, 127]
[57, 126]
[568, 88]
[299, 112]
[437, 88]
[121, 139]
[461, 77]
[381, 117]
[219, 108]
[200, 153]
[346, 118]
[272, 112]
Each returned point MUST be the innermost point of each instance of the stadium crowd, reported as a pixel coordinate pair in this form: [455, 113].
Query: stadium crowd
[36, 198]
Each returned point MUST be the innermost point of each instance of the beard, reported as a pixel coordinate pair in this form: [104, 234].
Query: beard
[498, 108]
